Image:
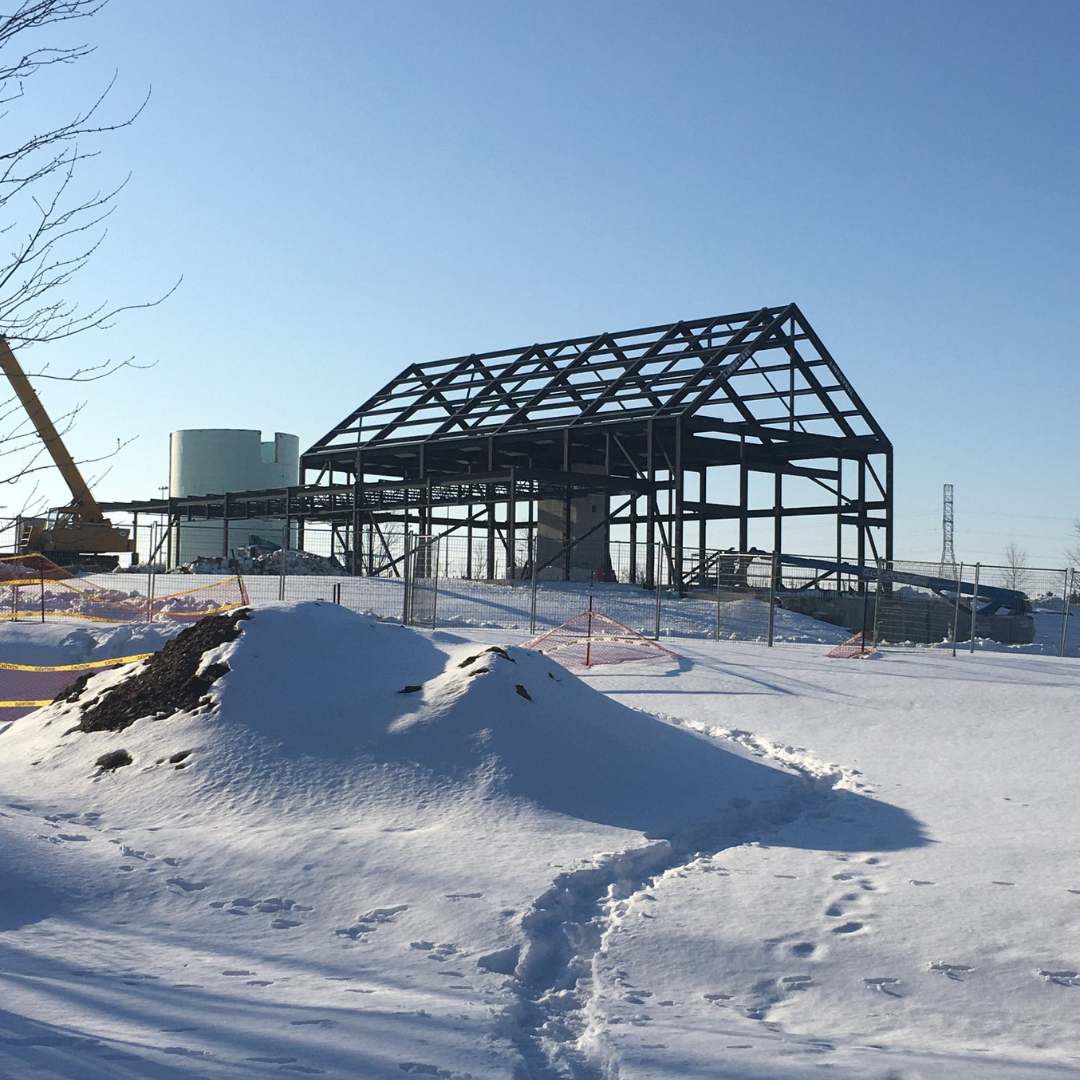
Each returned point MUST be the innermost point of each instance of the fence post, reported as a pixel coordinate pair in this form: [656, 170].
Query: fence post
[877, 609]
[588, 636]
[974, 610]
[659, 556]
[718, 598]
[435, 589]
[772, 597]
[150, 579]
[956, 609]
[284, 545]
[532, 601]
[43, 594]
[406, 579]
[1065, 612]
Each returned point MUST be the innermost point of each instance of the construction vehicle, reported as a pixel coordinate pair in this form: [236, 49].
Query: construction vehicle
[78, 534]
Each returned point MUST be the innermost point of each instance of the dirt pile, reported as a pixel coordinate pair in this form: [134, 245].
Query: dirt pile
[169, 681]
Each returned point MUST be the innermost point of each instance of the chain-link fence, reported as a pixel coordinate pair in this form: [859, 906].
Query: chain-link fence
[750, 596]
[719, 595]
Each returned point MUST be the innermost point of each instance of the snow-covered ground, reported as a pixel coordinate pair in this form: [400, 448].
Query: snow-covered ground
[380, 852]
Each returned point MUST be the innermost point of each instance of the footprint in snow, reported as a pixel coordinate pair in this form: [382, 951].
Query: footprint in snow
[133, 853]
[383, 914]
[279, 903]
[371, 921]
[186, 886]
[847, 928]
[952, 971]
[357, 932]
[1062, 977]
[442, 952]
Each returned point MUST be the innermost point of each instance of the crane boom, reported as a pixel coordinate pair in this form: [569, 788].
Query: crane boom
[76, 534]
[82, 501]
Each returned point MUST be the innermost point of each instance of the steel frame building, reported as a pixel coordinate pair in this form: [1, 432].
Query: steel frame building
[621, 434]
[677, 439]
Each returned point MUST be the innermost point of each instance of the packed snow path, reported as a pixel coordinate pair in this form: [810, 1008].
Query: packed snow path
[380, 853]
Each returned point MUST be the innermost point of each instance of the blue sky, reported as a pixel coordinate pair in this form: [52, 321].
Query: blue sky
[350, 186]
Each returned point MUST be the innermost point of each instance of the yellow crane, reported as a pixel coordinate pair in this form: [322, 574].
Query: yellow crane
[76, 533]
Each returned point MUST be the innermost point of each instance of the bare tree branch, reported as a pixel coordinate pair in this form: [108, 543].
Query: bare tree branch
[1015, 568]
[1072, 554]
[51, 225]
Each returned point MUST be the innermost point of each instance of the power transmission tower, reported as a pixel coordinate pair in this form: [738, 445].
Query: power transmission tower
[948, 556]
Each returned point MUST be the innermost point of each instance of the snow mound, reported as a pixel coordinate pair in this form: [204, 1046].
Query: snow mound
[315, 702]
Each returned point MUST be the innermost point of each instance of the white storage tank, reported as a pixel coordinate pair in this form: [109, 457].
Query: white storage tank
[211, 461]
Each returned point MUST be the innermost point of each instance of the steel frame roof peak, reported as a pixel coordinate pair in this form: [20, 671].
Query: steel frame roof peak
[658, 372]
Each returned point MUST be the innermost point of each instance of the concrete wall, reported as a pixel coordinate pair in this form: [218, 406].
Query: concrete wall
[588, 558]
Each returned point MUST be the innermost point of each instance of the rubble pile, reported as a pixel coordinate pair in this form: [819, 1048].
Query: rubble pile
[249, 561]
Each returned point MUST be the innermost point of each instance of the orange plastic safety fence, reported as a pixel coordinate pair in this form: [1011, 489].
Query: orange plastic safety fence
[74, 598]
[590, 639]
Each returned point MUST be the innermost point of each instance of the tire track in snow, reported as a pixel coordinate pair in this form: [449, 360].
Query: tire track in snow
[551, 1021]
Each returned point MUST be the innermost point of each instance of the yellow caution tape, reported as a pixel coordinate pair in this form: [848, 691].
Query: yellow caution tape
[34, 616]
[115, 661]
[31, 615]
